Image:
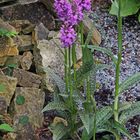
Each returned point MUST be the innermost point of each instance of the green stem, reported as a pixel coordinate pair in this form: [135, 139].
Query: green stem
[82, 39]
[117, 79]
[70, 80]
[94, 124]
[74, 62]
[88, 89]
[66, 69]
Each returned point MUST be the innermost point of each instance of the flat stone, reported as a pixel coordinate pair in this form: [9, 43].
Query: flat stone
[40, 33]
[14, 61]
[31, 109]
[7, 26]
[21, 25]
[88, 26]
[3, 60]
[27, 79]
[9, 85]
[26, 60]
[26, 43]
[48, 54]
[3, 106]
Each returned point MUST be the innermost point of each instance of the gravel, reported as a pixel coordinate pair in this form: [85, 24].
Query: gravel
[107, 25]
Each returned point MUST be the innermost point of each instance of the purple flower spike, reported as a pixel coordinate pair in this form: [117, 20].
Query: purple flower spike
[86, 4]
[68, 36]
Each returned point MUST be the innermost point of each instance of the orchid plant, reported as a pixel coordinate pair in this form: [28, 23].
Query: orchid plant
[74, 98]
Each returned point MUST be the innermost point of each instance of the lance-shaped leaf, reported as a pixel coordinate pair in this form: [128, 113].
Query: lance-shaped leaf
[134, 79]
[55, 106]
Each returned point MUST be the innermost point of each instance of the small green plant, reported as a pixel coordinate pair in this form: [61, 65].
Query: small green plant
[128, 7]
[4, 32]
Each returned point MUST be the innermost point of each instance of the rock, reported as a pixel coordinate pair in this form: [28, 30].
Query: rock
[2, 60]
[40, 33]
[8, 85]
[27, 1]
[3, 1]
[26, 44]
[8, 3]
[28, 116]
[3, 106]
[49, 5]
[6, 26]
[13, 62]
[26, 60]
[88, 26]
[27, 79]
[22, 26]
[52, 34]
[8, 46]
[48, 54]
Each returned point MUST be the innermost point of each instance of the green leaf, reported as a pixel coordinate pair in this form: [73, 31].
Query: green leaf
[128, 7]
[102, 66]
[103, 50]
[20, 100]
[59, 82]
[2, 88]
[12, 65]
[130, 112]
[139, 130]
[122, 129]
[6, 127]
[85, 118]
[124, 106]
[23, 119]
[85, 135]
[59, 131]
[5, 32]
[139, 18]
[55, 106]
[108, 127]
[84, 71]
[134, 79]
[103, 115]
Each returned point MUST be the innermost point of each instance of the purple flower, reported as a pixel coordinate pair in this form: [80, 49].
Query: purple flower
[71, 13]
[86, 4]
[68, 36]
[77, 10]
[65, 12]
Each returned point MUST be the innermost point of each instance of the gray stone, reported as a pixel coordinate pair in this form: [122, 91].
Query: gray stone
[40, 33]
[48, 54]
[26, 43]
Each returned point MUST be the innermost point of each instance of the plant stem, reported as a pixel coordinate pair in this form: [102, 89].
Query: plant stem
[74, 62]
[88, 89]
[94, 125]
[82, 40]
[117, 78]
[70, 80]
[66, 69]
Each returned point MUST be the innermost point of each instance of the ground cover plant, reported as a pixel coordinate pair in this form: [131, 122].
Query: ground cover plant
[79, 117]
